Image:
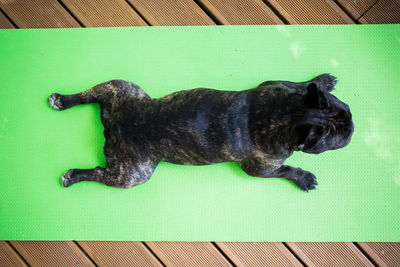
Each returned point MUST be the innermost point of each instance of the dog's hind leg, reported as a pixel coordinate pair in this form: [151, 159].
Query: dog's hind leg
[77, 175]
[123, 170]
[122, 174]
[61, 102]
[108, 93]
[128, 173]
[126, 165]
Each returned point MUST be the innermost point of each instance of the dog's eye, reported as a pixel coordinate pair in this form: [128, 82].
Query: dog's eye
[330, 113]
[315, 134]
[342, 116]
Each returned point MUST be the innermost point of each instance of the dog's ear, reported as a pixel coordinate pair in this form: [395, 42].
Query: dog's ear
[315, 98]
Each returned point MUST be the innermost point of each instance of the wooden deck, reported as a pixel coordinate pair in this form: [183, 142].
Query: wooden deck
[107, 13]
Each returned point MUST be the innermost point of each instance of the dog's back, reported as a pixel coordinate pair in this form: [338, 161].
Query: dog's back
[199, 126]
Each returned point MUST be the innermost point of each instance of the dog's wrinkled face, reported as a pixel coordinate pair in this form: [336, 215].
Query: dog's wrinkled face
[327, 124]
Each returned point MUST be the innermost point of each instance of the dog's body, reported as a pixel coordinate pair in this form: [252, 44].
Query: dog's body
[259, 128]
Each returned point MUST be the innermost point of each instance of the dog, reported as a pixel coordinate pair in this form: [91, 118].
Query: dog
[258, 128]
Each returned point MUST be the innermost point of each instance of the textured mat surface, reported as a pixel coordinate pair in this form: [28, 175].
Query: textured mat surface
[359, 193]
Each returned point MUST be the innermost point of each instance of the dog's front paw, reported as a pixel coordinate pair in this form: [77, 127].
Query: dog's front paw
[306, 181]
[326, 82]
[56, 102]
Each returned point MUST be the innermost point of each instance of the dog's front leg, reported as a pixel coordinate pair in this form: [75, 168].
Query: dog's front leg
[303, 179]
[324, 81]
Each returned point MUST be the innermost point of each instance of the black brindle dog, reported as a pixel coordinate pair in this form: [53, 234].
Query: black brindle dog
[259, 128]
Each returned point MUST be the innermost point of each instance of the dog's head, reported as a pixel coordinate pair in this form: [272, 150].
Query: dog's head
[327, 123]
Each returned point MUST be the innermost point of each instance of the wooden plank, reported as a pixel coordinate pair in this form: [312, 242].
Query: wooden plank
[112, 253]
[311, 12]
[5, 23]
[258, 254]
[38, 14]
[329, 254]
[171, 12]
[52, 253]
[356, 8]
[384, 254]
[237, 12]
[8, 257]
[188, 254]
[104, 13]
[385, 11]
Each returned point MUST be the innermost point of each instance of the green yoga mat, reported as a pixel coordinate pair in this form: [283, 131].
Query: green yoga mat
[358, 197]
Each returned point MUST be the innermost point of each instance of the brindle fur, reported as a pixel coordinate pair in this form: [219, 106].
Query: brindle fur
[259, 128]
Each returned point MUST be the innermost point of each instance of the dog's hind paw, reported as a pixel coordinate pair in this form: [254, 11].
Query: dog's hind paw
[56, 102]
[66, 178]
